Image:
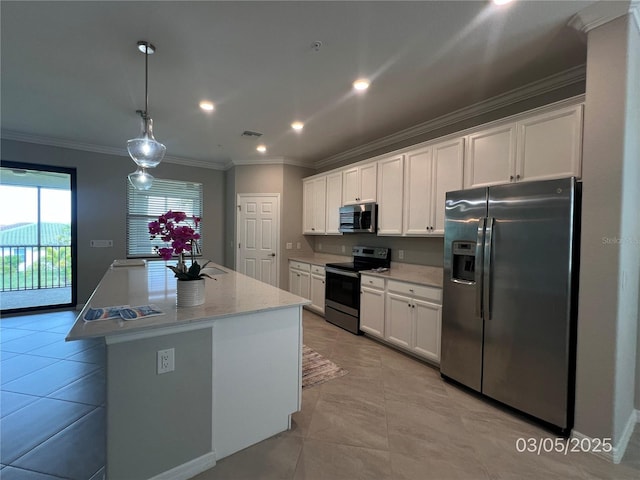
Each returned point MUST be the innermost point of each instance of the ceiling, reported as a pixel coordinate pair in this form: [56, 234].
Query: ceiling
[71, 73]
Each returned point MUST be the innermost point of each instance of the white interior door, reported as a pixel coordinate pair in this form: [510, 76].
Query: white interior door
[258, 230]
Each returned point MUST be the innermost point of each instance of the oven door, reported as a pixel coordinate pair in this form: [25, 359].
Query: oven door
[342, 291]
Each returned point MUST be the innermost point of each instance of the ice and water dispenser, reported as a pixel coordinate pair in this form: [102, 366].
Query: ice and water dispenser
[464, 261]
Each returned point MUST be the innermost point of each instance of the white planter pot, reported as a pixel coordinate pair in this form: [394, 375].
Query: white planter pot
[190, 293]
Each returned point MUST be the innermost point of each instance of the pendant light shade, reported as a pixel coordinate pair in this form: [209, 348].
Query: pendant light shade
[145, 150]
[141, 179]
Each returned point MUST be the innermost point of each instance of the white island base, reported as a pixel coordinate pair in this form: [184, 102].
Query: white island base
[236, 382]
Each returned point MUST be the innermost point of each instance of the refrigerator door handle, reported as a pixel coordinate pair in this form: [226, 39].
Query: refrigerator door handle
[478, 265]
[486, 271]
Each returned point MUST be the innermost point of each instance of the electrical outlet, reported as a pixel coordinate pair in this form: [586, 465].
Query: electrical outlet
[401, 254]
[319, 246]
[101, 243]
[289, 246]
[166, 360]
[298, 245]
[344, 249]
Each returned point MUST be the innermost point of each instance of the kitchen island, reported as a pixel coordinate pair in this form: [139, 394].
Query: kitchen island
[236, 377]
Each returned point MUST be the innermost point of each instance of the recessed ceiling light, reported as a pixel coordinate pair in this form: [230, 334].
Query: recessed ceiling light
[361, 84]
[297, 126]
[207, 106]
[501, 2]
[261, 148]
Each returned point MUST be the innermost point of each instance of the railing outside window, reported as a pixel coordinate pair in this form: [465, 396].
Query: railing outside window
[32, 267]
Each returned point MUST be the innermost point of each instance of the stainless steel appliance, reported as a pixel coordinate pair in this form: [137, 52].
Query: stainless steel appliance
[510, 295]
[342, 286]
[358, 218]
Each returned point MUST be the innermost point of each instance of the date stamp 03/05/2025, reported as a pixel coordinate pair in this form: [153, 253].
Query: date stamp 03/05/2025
[565, 446]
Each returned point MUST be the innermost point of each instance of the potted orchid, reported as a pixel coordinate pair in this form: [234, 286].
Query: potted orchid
[183, 239]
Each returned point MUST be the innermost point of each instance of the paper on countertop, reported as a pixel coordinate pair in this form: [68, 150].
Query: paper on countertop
[129, 262]
[122, 312]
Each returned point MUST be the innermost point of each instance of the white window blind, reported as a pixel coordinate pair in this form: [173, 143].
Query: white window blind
[144, 206]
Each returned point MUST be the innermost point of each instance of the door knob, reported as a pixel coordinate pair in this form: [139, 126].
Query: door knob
[272, 254]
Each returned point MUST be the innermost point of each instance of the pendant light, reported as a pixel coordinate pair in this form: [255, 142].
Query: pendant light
[145, 150]
[141, 179]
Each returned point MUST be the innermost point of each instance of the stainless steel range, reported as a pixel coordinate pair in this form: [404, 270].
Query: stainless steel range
[342, 288]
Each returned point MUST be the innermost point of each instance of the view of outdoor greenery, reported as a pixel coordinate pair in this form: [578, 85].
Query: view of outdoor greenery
[35, 238]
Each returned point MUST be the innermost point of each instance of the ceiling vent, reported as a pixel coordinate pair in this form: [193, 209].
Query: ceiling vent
[249, 133]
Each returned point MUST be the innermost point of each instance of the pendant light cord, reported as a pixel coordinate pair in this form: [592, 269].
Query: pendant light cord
[146, 81]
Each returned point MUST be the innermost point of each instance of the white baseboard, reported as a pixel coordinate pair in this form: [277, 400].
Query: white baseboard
[189, 469]
[615, 456]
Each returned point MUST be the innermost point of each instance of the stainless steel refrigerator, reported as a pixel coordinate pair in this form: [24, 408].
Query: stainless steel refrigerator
[510, 295]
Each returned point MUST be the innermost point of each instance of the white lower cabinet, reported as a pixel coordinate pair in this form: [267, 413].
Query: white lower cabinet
[399, 320]
[426, 329]
[317, 289]
[372, 306]
[299, 278]
[405, 315]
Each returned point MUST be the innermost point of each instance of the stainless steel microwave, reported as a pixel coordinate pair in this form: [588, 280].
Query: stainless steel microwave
[360, 218]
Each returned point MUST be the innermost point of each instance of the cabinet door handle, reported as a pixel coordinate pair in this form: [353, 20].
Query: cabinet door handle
[518, 177]
[312, 229]
[511, 178]
[411, 290]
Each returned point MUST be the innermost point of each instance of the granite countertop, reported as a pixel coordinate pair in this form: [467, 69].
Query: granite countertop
[406, 272]
[227, 294]
[320, 259]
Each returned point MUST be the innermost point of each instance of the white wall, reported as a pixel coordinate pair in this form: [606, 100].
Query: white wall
[609, 270]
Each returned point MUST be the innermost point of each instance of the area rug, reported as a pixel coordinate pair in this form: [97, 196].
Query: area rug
[316, 369]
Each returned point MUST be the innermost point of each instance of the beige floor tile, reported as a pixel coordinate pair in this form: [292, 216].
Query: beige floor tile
[274, 458]
[349, 420]
[321, 460]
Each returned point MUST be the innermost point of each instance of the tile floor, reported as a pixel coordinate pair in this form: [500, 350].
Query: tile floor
[51, 400]
[391, 417]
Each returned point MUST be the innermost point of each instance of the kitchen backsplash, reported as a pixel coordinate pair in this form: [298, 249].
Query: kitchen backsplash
[419, 251]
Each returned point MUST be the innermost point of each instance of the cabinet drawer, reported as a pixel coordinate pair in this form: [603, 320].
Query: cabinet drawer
[299, 265]
[414, 290]
[374, 282]
[317, 270]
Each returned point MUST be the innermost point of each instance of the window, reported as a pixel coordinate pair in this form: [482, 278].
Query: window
[143, 206]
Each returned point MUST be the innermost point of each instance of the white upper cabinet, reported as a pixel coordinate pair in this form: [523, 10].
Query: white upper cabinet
[314, 193]
[448, 159]
[334, 202]
[537, 147]
[417, 192]
[390, 187]
[550, 145]
[490, 157]
[430, 173]
[359, 184]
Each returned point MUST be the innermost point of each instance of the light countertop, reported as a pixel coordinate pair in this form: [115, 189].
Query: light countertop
[226, 294]
[406, 272]
[321, 259]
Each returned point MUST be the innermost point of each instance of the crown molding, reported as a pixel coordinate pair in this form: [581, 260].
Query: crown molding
[88, 147]
[568, 77]
[601, 12]
[270, 161]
